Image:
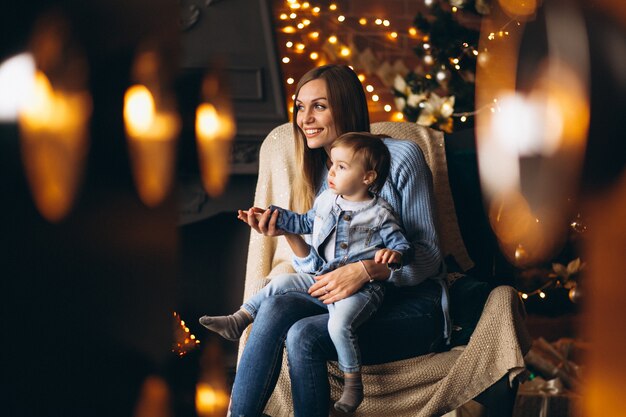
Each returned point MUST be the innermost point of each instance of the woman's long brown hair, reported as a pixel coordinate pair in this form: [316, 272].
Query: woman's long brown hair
[348, 105]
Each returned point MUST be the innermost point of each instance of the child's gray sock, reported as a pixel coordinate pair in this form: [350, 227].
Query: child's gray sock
[229, 327]
[352, 393]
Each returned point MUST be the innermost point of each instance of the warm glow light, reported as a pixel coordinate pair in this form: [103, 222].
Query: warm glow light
[289, 44]
[289, 29]
[300, 25]
[519, 9]
[207, 122]
[210, 401]
[332, 39]
[300, 47]
[393, 35]
[412, 31]
[378, 21]
[333, 6]
[138, 110]
[314, 55]
[363, 21]
[345, 51]
[214, 133]
[341, 18]
[290, 81]
[387, 108]
[369, 88]
[375, 97]
[151, 141]
[398, 116]
[283, 16]
[53, 128]
[386, 23]
[286, 59]
[316, 10]
[314, 35]
[17, 76]
[361, 77]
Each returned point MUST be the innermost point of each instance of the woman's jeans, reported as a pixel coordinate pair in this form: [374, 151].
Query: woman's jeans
[408, 324]
[345, 316]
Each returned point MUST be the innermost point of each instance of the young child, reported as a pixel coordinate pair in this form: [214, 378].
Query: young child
[348, 223]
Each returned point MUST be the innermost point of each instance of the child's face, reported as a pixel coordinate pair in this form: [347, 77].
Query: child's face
[347, 175]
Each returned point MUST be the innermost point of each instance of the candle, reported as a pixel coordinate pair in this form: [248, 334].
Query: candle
[152, 144]
[53, 129]
[214, 132]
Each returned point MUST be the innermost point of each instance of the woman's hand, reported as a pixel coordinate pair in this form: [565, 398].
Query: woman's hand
[340, 283]
[261, 220]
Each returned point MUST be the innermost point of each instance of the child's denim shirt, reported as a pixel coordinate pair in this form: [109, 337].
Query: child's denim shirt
[359, 234]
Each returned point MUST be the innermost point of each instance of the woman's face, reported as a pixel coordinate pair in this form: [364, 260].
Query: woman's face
[314, 116]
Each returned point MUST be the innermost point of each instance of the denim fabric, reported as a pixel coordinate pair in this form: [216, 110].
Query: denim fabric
[359, 234]
[408, 324]
[345, 316]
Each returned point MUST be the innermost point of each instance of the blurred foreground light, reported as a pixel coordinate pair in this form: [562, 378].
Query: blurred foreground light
[53, 130]
[152, 144]
[215, 130]
[210, 401]
[17, 76]
[519, 9]
[531, 145]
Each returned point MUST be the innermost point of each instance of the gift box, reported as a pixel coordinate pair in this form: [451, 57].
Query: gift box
[552, 387]
[541, 398]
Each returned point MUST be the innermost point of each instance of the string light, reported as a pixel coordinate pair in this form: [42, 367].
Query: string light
[307, 26]
[184, 341]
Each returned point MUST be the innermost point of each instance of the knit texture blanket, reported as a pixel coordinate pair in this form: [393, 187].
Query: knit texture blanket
[427, 385]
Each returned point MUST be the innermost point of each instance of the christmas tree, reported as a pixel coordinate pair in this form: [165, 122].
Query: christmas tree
[439, 92]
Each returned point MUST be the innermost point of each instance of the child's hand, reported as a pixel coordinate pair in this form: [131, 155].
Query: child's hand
[261, 220]
[243, 214]
[388, 256]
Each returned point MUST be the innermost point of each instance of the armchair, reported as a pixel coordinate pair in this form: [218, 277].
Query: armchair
[426, 385]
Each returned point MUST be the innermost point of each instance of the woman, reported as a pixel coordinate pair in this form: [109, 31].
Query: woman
[330, 101]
